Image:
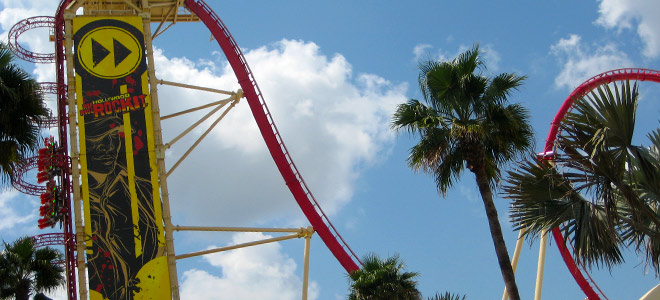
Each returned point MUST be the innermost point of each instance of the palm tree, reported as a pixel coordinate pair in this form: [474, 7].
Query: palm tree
[466, 122]
[24, 269]
[383, 280]
[21, 111]
[447, 296]
[602, 188]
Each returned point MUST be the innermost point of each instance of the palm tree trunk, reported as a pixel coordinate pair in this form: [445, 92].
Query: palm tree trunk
[23, 293]
[496, 233]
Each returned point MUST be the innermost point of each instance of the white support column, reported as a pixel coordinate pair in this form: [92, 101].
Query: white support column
[308, 240]
[75, 155]
[541, 265]
[160, 158]
[516, 257]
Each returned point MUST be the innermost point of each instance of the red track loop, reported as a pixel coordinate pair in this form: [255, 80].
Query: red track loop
[48, 122]
[23, 26]
[52, 239]
[581, 90]
[271, 135]
[589, 85]
[25, 187]
[48, 87]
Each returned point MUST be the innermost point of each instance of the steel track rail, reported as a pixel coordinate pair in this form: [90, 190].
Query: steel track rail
[583, 89]
[310, 207]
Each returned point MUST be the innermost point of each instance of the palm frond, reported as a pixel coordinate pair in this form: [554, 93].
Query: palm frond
[543, 199]
[502, 85]
[24, 269]
[604, 191]
[447, 296]
[415, 117]
[469, 61]
[22, 109]
[510, 124]
[383, 279]
[466, 129]
[447, 173]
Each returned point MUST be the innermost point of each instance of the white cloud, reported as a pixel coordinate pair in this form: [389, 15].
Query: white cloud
[10, 218]
[626, 14]
[488, 54]
[35, 40]
[258, 272]
[421, 50]
[14, 11]
[335, 124]
[333, 127]
[580, 62]
[491, 57]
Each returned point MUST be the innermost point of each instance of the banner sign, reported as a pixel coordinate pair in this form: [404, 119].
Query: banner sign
[121, 199]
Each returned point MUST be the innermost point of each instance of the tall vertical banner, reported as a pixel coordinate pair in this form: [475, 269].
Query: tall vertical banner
[122, 210]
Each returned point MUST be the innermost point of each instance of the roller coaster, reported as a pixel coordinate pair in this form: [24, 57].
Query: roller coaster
[72, 109]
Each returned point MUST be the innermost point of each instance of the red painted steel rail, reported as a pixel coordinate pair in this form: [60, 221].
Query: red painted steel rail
[294, 181]
[23, 186]
[63, 122]
[580, 91]
[53, 239]
[23, 26]
[271, 135]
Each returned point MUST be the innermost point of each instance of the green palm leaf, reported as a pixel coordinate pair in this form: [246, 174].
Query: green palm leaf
[603, 189]
[383, 279]
[25, 270]
[464, 122]
[22, 109]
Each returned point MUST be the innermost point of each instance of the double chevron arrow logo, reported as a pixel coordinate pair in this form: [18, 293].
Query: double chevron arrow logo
[99, 53]
[109, 52]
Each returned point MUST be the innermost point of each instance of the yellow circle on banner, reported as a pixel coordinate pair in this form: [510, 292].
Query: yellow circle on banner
[109, 52]
[153, 280]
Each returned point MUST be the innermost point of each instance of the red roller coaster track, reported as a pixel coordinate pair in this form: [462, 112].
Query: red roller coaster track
[53, 239]
[271, 135]
[29, 164]
[23, 26]
[56, 28]
[580, 91]
[263, 118]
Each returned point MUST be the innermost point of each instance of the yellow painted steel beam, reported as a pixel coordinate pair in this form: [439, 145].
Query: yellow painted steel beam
[160, 161]
[193, 126]
[183, 112]
[243, 245]
[541, 265]
[303, 230]
[206, 89]
[308, 238]
[516, 257]
[199, 140]
[75, 156]
[160, 10]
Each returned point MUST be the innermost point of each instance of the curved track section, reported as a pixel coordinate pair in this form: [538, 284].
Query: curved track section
[581, 90]
[52, 239]
[48, 87]
[51, 120]
[23, 186]
[23, 26]
[269, 132]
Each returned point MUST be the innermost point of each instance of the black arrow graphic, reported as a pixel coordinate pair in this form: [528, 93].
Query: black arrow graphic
[121, 52]
[98, 52]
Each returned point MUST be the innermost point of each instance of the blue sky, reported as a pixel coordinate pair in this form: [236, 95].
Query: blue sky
[332, 73]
